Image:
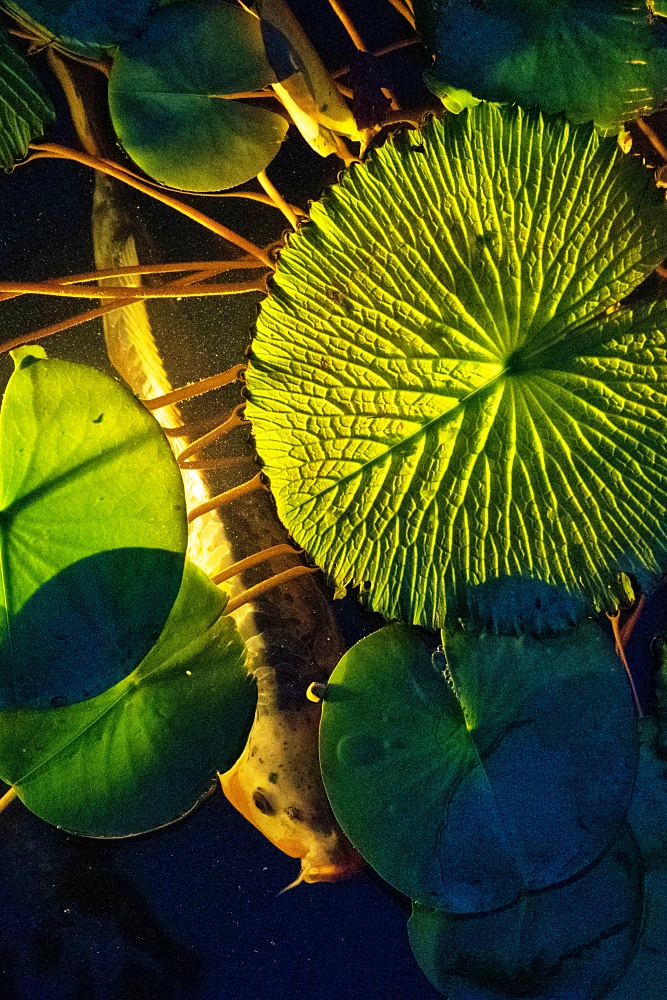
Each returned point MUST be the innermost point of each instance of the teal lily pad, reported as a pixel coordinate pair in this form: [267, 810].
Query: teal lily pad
[143, 753]
[25, 106]
[647, 813]
[646, 973]
[170, 97]
[569, 942]
[93, 532]
[601, 62]
[443, 385]
[86, 27]
[511, 777]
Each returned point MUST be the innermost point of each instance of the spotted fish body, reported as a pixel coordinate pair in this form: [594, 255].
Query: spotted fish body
[290, 632]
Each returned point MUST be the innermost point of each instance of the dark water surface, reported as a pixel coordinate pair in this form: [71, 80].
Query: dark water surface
[193, 911]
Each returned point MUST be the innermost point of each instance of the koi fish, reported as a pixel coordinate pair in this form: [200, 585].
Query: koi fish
[290, 631]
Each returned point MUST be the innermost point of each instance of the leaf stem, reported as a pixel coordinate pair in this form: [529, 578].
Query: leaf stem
[283, 549]
[614, 619]
[61, 327]
[195, 388]
[54, 151]
[657, 143]
[234, 421]
[224, 498]
[217, 266]
[404, 11]
[252, 593]
[347, 23]
[380, 52]
[277, 199]
[7, 798]
[132, 292]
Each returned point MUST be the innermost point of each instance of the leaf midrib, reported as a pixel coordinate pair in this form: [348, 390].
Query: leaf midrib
[568, 333]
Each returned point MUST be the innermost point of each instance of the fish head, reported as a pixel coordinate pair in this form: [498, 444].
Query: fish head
[277, 786]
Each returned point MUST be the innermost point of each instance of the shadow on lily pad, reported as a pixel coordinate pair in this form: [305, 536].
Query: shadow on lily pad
[88, 627]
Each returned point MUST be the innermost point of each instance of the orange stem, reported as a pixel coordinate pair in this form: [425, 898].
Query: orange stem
[235, 420]
[224, 498]
[195, 388]
[262, 588]
[614, 619]
[254, 560]
[132, 292]
[106, 167]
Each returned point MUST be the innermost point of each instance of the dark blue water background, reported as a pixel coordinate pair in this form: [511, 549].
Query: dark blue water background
[193, 911]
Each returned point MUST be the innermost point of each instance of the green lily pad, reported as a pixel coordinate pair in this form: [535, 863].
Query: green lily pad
[169, 97]
[92, 532]
[143, 753]
[440, 389]
[463, 797]
[570, 942]
[25, 106]
[86, 27]
[601, 62]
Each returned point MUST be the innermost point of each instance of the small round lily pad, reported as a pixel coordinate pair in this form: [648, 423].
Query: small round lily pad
[511, 773]
[171, 97]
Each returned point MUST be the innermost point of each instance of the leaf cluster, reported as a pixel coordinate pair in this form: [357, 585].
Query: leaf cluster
[122, 683]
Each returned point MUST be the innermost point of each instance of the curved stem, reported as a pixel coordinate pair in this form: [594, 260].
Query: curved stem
[132, 292]
[614, 619]
[224, 498]
[195, 388]
[7, 798]
[283, 549]
[277, 199]
[53, 151]
[262, 588]
[233, 421]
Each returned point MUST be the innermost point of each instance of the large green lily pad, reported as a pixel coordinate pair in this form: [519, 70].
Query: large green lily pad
[597, 61]
[92, 532]
[570, 942]
[464, 796]
[87, 27]
[143, 753]
[440, 389]
[169, 97]
[25, 106]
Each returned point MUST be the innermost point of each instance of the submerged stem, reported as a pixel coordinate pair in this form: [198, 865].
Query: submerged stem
[252, 593]
[277, 199]
[132, 292]
[195, 388]
[224, 498]
[614, 619]
[404, 11]
[283, 549]
[233, 421]
[347, 23]
[54, 151]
